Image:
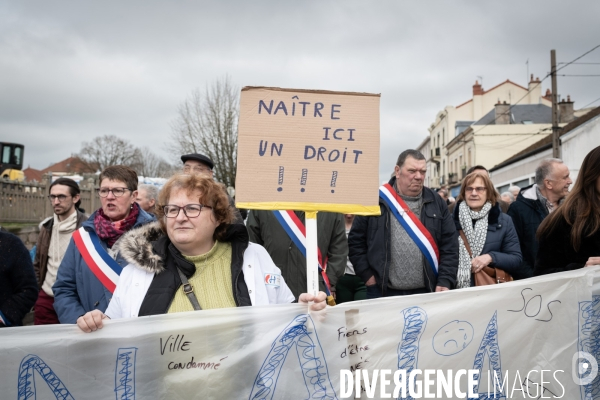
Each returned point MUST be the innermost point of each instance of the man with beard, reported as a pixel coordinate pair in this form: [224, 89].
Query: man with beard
[52, 243]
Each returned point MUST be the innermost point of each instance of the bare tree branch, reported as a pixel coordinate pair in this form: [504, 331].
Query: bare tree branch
[207, 124]
[150, 165]
[107, 150]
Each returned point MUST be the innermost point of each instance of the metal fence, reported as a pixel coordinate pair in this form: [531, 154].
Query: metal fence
[28, 202]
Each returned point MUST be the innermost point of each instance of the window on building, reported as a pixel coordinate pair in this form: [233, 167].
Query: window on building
[443, 136]
[522, 183]
[502, 189]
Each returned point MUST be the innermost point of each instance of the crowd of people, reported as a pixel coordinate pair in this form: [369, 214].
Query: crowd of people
[186, 247]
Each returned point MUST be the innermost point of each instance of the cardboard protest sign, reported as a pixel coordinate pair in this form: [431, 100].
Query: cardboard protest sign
[519, 339]
[308, 150]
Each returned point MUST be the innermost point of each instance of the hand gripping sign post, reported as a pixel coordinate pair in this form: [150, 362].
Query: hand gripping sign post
[308, 150]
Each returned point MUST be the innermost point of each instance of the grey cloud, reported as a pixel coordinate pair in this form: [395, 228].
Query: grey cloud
[74, 70]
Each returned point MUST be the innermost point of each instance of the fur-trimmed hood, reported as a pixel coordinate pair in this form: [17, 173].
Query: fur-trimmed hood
[136, 247]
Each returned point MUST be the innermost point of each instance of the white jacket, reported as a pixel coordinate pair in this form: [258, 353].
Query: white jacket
[263, 278]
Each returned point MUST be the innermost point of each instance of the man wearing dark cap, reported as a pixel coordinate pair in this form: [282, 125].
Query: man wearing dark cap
[197, 164]
[200, 164]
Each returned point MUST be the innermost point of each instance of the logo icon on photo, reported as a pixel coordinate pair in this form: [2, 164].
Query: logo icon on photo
[584, 368]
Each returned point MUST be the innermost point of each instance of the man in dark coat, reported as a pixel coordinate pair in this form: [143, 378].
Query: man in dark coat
[383, 253]
[266, 230]
[18, 286]
[533, 204]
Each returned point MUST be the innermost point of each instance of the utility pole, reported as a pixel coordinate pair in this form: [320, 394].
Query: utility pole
[555, 129]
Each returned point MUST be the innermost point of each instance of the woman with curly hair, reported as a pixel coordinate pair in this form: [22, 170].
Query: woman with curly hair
[193, 258]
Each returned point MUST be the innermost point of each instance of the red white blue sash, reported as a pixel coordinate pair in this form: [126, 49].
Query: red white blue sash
[103, 266]
[297, 232]
[412, 225]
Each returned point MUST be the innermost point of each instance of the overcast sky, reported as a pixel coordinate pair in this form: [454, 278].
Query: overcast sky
[71, 71]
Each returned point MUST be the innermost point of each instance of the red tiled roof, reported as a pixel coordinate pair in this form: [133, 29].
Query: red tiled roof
[70, 165]
[33, 174]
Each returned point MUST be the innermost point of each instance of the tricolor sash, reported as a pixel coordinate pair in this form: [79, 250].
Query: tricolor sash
[297, 232]
[102, 265]
[412, 225]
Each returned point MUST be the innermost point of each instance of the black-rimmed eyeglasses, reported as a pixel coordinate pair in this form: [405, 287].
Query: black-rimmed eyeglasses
[117, 192]
[190, 210]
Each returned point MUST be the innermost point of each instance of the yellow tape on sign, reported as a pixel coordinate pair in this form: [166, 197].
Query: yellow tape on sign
[356, 209]
[311, 214]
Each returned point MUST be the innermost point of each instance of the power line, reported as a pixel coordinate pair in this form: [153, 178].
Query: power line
[496, 145]
[589, 104]
[576, 75]
[571, 62]
[590, 63]
[512, 134]
[534, 87]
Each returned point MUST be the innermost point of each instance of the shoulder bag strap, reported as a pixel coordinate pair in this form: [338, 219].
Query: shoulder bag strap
[188, 289]
[466, 242]
[487, 270]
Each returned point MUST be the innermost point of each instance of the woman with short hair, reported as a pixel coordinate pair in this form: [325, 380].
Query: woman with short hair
[82, 284]
[194, 258]
[569, 238]
[492, 240]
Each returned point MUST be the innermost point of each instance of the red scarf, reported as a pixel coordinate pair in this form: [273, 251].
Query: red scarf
[109, 231]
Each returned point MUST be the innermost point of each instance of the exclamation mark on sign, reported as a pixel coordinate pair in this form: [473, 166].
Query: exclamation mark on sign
[303, 179]
[333, 180]
[280, 180]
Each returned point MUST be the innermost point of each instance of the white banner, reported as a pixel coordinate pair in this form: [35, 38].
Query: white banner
[526, 333]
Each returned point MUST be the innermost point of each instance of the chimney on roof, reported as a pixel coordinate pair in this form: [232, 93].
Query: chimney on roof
[565, 111]
[477, 89]
[535, 90]
[548, 95]
[502, 113]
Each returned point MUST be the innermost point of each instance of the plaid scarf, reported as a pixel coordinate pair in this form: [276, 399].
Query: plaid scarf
[110, 231]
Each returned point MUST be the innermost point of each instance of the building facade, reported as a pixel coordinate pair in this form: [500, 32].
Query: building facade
[425, 149]
[577, 138]
[461, 137]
